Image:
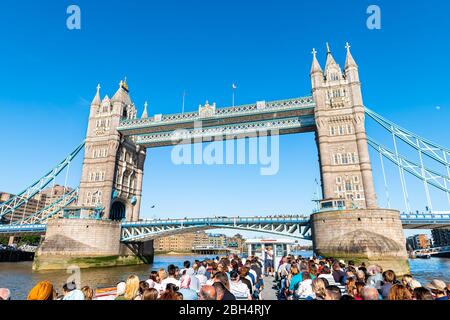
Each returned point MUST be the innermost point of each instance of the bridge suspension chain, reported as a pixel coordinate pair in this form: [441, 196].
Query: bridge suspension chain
[386, 188]
[52, 210]
[402, 177]
[428, 176]
[424, 147]
[427, 147]
[23, 197]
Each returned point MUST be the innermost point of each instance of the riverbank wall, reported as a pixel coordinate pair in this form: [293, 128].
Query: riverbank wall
[15, 256]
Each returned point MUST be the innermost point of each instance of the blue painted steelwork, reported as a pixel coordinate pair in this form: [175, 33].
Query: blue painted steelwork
[424, 147]
[228, 131]
[23, 229]
[293, 227]
[220, 113]
[24, 196]
[52, 210]
[427, 147]
[214, 221]
[426, 220]
[430, 176]
[432, 251]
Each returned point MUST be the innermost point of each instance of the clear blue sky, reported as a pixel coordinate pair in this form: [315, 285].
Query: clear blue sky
[49, 75]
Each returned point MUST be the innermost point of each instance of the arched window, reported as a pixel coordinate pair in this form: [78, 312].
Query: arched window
[344, 158]
[348, 186]
[126, 178]
[349, 129]
[350, 158]
[332, 131]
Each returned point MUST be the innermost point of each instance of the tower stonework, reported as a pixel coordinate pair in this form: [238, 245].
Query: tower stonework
[341, 136]
[361, 231]
[113, 165]
[111, 183]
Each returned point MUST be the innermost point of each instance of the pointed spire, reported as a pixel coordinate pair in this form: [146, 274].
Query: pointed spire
[97, 101]
[330, 59]
[145, 113]
[315, 64]
[349, 61]
[122, 94]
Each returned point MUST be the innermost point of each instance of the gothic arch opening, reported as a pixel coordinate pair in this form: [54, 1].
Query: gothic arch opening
[118, 211]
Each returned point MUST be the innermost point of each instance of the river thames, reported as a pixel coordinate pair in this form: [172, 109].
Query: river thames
[19, 278]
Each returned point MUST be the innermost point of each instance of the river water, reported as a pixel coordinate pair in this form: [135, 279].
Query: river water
[19, 278]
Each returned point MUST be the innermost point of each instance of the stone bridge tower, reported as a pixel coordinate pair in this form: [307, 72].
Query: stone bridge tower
[113, 165]
[341, 135]
[361, 232]
[111, 181]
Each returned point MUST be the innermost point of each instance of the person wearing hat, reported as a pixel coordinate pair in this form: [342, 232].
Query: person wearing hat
[42, 291]
[438, 289]
[71, 292]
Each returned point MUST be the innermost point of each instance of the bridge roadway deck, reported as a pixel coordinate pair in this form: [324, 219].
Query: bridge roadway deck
[411, 221]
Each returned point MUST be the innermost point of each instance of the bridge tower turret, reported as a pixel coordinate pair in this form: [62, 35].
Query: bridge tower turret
[343, 152]
[113, 165]
[362, 232]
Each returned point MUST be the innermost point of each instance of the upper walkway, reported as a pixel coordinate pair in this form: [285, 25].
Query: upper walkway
[208, 123]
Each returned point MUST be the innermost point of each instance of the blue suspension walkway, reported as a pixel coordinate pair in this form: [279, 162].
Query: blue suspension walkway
[296, 227]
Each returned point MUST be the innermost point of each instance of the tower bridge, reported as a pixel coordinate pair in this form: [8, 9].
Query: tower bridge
[101, 218]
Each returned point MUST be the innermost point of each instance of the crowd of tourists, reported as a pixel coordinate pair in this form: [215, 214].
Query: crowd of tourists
[233, 278]
[329, 279]
[228, 278]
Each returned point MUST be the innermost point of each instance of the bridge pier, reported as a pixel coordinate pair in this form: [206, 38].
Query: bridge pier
[88, 244]
[374, 236]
